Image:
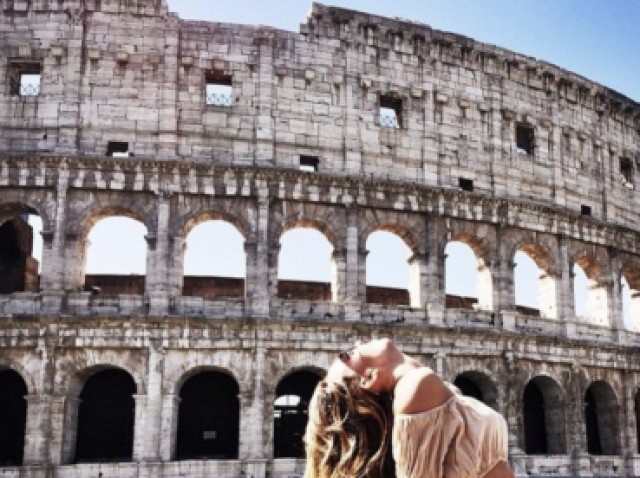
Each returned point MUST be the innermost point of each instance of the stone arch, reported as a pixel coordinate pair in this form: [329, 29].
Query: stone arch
[478, 384]
[11, 209]
[71, 384]
[190, 221]
[543, 408]
[317, 224]
[292, 397]
[186, 374]
[13, 417]
[212, 285]
[479, 239]
[595, 268]
[21, 370]
[86, 220]
[208, 421]
[546, 287]
[631, 272]
[601, 415]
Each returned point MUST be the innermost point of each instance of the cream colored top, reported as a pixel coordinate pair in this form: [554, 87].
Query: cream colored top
[463, 438]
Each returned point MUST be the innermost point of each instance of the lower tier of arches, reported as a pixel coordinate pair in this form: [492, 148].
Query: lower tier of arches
[195, 397]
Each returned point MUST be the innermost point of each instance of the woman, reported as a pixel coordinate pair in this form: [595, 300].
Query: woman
[375, 399]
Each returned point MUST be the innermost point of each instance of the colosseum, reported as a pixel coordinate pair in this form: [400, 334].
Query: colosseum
[353, 125]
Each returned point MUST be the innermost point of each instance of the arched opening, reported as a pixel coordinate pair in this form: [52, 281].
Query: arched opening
[116, 257]
[543, 410]
[388, 273]
[630, 287]
[468, 281]
[106, 418]
[306, 269]
[535, 287]
[601, 419]
[214, 261]
[20, 253]
[290, 417]
[479, 386]
[590, 296]
[208, 417]
[13, 417]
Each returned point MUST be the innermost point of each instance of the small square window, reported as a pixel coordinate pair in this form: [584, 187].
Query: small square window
[390, 112]
[465, 184]
[309, 163]
[585, 210]
[524, 139]
[218, 89]
[25, 78]
[118, 149]
[626, 172]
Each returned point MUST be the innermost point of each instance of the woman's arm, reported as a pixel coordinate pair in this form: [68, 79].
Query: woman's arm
[419, 390]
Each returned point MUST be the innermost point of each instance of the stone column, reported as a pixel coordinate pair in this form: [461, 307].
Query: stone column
[38, 429]
[262, 268]
[169, 426]
[149, 411]
[254, 426]
[511, 406]
[64, 427]
[355, 285]
[418, 284]
[564, 288]
[52, 279]
[339, 276]
[628, 416]
[615, 310]
[436, 295]
[157, 279]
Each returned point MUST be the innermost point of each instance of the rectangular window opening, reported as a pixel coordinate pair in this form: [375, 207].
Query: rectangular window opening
[118, 149]
[310, 164]
[218, 89]
[585, 210]
[524, 139]
[626, 172]
[390, 112]
[465, 184]
[25, 78]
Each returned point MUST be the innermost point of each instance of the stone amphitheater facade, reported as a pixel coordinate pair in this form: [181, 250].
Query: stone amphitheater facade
[475, 143]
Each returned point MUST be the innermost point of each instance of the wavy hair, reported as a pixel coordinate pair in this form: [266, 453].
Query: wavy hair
[349, 432]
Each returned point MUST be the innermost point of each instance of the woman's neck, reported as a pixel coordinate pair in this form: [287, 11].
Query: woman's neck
[403, 366]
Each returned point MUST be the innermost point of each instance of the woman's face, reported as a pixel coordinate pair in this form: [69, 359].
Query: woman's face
[361, 359]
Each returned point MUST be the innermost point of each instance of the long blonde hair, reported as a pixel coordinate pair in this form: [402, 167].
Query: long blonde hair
[349, 432]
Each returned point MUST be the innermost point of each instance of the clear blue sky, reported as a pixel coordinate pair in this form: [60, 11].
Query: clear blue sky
[598, 39]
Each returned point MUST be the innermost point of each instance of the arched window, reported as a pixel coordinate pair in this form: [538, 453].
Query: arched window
[13, 417]
[479, 386]
[388, 273]
[293, 395]
[106, 416]
[214, 261]
[468, 279]
[601, 418]
[590, 293]
[208, 417]
[20, 254]
[306, 270]
[543, 412]
[116, 257]
[630, 285]
[534, 284]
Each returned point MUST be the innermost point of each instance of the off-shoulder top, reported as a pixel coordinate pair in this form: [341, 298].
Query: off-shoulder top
[462, 438]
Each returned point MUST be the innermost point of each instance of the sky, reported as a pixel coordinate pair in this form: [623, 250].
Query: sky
[598, 39]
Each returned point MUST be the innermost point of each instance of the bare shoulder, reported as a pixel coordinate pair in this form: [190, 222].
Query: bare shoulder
[419, 390]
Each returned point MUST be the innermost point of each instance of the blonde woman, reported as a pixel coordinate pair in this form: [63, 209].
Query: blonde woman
[376, 402]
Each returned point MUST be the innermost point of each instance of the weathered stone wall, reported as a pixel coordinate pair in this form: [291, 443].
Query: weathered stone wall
[131, 72]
